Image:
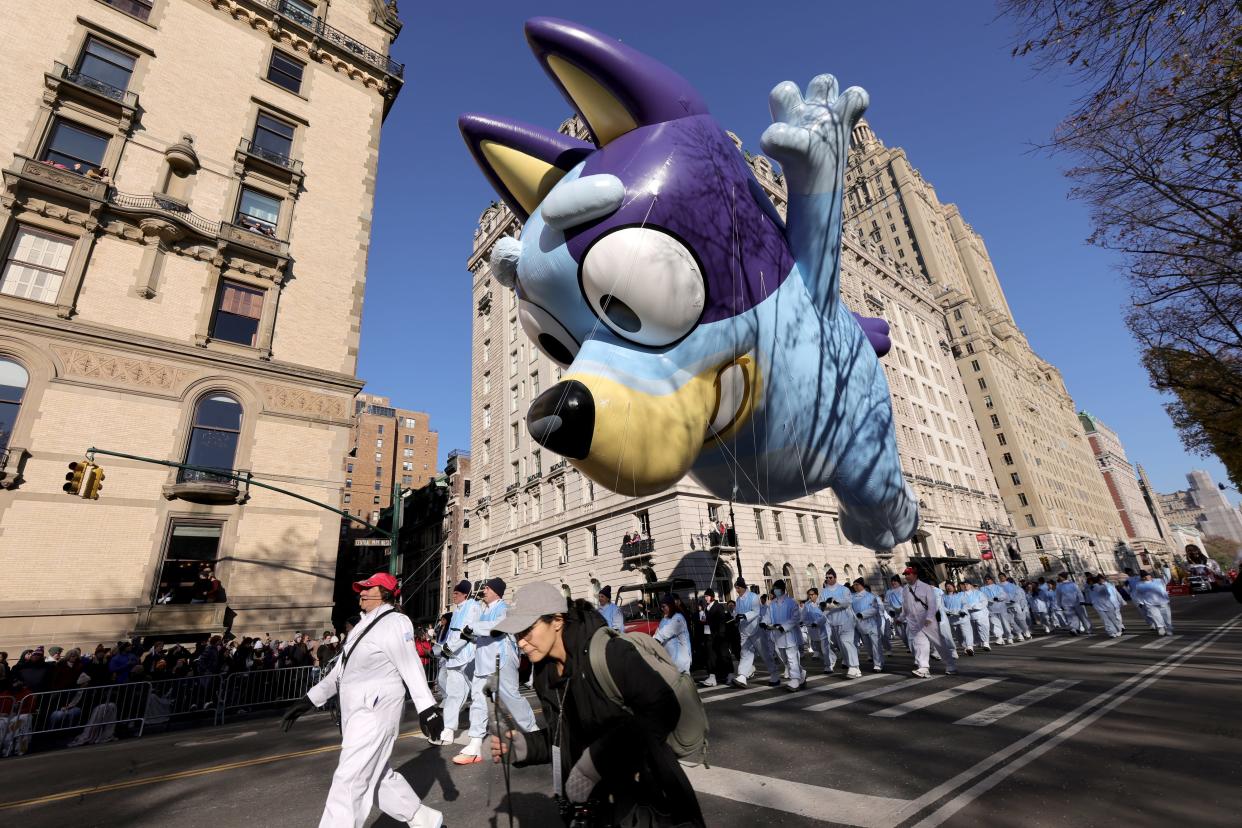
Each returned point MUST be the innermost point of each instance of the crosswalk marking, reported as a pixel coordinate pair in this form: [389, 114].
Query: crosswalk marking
[867, 694]
[1160, 642]
[763, 687]
[1062, 642]
[935, 698]
[827, 688]
[993, 714]
[1110, 642]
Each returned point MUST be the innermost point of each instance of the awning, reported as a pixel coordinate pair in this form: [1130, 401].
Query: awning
[955, 561]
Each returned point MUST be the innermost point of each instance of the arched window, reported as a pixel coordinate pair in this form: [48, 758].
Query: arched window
[849, 572]
[767, 577]
[791, 586]
[13, 381]
[812, 576]
[213, 440]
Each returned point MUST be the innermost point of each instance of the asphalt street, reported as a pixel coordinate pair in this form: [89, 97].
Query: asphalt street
[1057, 731]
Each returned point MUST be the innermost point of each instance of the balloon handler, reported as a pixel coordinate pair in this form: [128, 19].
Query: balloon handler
[378, 663]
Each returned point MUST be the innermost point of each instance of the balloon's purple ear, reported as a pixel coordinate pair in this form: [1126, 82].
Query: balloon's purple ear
[522, 162]
[613, 87]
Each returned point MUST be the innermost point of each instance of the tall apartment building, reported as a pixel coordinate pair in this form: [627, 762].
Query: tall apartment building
[1146, 539]
[184, 224]
[1203, 506]
[534, 517]
[1042, 461]
[390, 446]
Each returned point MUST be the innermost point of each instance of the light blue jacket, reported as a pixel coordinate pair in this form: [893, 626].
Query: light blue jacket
[613, 616]
[995, 595]
[868, 606]
[1151, 594]
[1012, 591]
[975, 601]
[785, 614]
[487, 645]
[675, 637]
[747, 608]
[465, 614]
[892, 600]
[954, 605]
[839, 614]
[1068, 596]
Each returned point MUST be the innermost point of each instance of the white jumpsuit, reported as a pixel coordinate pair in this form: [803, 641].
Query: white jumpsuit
[459, 667]
[675, 637]
[837, 603]
[747, 607]
[371, 691]
[919, 604]
[784, 614]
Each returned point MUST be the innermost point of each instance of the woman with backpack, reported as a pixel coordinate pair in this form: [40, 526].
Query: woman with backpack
[610, 711]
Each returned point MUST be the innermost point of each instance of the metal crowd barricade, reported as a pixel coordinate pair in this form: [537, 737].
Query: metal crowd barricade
[258, 689]
[91, 714]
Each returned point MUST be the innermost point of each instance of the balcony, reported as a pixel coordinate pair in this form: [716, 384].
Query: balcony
[637, 553]
[534, 478]
[198, 486]
[483, 501]
[558, 467]
[95, 86]
[168, 207]
[282, 166]
[512, 487]
[59, 180]
[256, 237]
[337, 38]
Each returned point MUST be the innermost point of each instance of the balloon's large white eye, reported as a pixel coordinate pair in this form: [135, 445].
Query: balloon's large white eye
[547, 333]
[644, 284]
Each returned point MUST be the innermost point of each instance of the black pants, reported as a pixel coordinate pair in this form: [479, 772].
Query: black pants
[719, 659]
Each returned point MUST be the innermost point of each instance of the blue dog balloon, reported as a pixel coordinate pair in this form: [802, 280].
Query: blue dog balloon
[698, 332]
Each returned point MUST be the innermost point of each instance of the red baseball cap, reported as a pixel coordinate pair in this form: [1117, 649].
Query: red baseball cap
[379, 579]
[909, 570]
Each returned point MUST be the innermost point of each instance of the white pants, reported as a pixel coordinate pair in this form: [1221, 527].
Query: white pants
[962, 626]
[752, 645]
[1161, 617]
[1111, 618]
[369, 727]
[979, 625]
[870, 632]
[1002, 627]
[924, 639]
[1018, 617]
[456, 686]
[791, 655]
[821, 642]
[1076, 618]
[842, 634]
[516, 706]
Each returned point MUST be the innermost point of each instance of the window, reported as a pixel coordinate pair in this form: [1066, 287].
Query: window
[379, 442]
[349, 482]
[802, 527]
[987, 402]
[974, 363]
[300, 11]
[563, 557]
[1039, 544]
[1017, 481]
[410, 422]
[272, 138]
[35, 266]
[347, 497]
[140, 9]
[379, 457]
[258, 211]
[1022, 500]
[776, 524]
[644, 523]
[1030, 520]
[1000, 439]
[819, 537]
[407, 479]
[713, 512]
[1008, 458]
[759, 523]
[213, 439]
[284, 71]
[75, 147]
[379, 471]
[517, 476]
[407, 467]
[101, 62]
[995, 421]
[407, 452]
[983, 384]
[515, 436]
[593, 536]
[379, 429]
[534, 384]
[513, 399]
[408, 439]
[377, 486]
[487, 416]
[590, 491]
[190, 552]
[349, 467]
[13, 380]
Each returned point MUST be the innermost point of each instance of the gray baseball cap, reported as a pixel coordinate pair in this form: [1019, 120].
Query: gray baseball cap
[529, 604]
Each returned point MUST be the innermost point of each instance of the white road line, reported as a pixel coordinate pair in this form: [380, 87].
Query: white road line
[1159, 643]
[868, 694]
[810, 801]
[840, 684]
[764, 687]
[996, 712]
[1030, 640]
[1062, 642]
[935, 698]
[989, 770]
[1110, 642]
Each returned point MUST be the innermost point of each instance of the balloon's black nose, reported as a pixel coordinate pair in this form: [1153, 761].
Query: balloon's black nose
[563, 419]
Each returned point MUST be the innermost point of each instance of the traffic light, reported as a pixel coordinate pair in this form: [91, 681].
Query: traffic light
[75, 477]
[94, 482]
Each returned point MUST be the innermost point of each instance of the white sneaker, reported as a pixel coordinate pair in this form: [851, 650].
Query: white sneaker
[710, 681]
[446, 738]
[426, 817]
[877, 669]
[793, 686]
[739, 681]
[921, 673]
[854, 673]
[471, 754]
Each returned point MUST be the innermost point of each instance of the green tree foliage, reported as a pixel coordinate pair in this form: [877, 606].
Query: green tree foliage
[1156, 143]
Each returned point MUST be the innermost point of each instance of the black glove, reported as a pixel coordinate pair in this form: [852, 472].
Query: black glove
[823, 605]
[445, 651]
[431, 722]
[302, 705]
[467, 634]
[832, 601]
[859, 614]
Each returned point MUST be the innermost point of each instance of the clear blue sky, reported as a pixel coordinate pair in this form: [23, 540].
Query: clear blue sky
[942, 85]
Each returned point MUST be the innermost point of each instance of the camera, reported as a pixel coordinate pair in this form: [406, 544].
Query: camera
[579, 814]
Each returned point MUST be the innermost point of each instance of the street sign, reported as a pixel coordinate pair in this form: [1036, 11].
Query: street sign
[372, 542]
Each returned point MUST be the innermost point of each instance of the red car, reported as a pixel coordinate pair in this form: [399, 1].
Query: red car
[640, 603]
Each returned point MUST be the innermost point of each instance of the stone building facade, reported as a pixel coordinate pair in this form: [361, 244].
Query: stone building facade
[1205, 507]
[1062, 512]
[390, 446]
[534, 517]
[185, 217]
[1147, 542]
